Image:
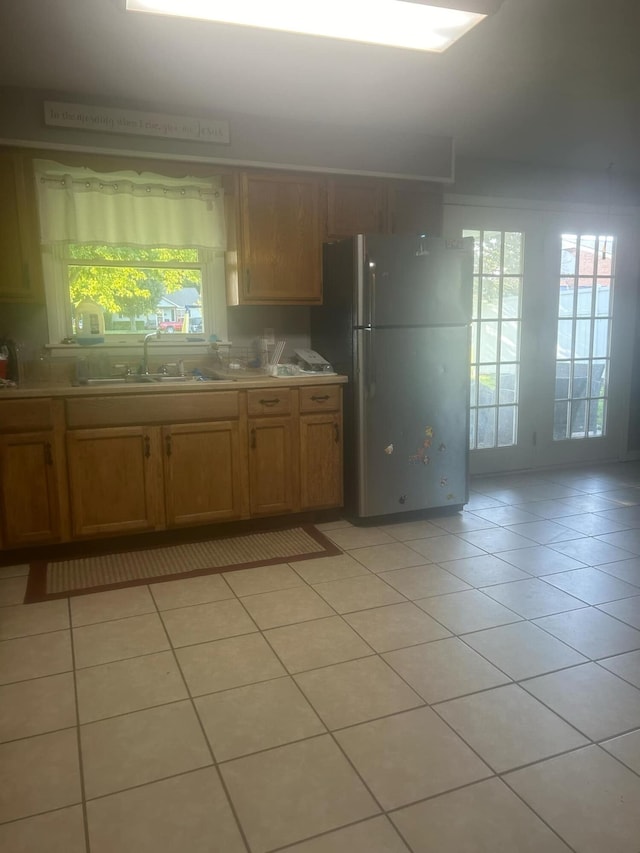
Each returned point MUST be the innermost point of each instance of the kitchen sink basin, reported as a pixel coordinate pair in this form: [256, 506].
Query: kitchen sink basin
[119, 380]
[137, 379]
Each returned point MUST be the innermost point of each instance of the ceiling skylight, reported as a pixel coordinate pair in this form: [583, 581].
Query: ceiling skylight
[408, 24]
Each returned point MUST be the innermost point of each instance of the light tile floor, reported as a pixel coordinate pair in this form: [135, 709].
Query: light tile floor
[467, 684]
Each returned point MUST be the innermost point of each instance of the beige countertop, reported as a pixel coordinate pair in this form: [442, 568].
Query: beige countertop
[41, 390]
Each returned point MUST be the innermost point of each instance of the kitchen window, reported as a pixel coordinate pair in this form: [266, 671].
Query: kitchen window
[147, 248]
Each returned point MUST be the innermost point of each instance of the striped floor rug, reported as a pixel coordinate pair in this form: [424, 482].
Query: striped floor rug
[81, 575]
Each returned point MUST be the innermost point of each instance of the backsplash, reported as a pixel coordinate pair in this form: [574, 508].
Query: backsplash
[41, 364]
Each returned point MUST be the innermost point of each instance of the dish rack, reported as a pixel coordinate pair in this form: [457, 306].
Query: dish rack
[227, 360]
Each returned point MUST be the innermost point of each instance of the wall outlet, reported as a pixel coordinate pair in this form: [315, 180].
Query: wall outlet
[269, 337]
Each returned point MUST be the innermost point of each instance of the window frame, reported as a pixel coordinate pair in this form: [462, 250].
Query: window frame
[212, 261]
[56, 261]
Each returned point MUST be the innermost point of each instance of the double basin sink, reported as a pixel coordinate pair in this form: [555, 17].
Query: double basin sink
[138, 379]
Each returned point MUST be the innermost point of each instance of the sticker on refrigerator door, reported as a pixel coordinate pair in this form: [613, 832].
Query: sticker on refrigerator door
[421, 455]
[389, 449]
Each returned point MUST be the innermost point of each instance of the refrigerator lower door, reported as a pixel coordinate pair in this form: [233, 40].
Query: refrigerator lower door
[412, 421]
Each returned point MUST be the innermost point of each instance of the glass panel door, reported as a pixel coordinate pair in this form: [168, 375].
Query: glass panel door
[552, 349]
[495, 337]
[585, 314]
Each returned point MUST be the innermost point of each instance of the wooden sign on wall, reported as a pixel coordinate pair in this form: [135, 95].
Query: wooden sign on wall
[113, 120]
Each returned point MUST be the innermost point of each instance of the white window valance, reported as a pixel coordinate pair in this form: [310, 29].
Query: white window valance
[78, 205]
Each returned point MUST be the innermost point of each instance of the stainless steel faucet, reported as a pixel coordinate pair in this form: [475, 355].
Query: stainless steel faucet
[145, 356]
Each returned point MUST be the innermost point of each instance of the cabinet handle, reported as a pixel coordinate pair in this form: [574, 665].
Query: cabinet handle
[167, 442]
[248, 280]
[336, 430]
[147, 447]
[48, 456]
[320, 399]
[253, 438]
[272, 402]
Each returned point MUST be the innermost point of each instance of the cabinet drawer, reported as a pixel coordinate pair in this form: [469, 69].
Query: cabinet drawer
[25, 415]
[151, 409]
[320, 398]
[265, 401]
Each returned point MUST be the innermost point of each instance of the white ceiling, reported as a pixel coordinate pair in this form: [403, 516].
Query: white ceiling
[553, 82]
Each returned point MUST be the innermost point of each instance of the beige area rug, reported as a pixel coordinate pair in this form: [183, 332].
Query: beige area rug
[81, 575]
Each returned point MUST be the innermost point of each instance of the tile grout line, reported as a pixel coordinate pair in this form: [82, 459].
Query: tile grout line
[194, 708]
[83, 792]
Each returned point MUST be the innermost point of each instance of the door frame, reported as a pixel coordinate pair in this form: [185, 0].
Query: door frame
[542, 225]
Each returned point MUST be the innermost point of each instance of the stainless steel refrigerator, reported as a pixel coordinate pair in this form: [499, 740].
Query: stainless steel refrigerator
[396, 320]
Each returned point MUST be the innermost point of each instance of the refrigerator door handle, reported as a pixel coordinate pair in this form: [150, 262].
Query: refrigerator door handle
[371, 362]
[372, 292]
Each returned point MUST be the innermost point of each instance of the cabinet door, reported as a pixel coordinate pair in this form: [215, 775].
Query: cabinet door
[202, 473]
[281, 242]
[356, 207]
[320, 461]
[271, 474]
[115, 480]
[416, 209]
[29, 489]
[21, 279]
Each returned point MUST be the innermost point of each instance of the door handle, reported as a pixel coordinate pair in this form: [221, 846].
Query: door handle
[167, 442]
[371, 362]
[253, 438]
[147, 447]
[372, 293]
[320, 398]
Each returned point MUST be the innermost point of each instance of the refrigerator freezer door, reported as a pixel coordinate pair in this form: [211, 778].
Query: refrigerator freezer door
[412, 427]
[413, 281]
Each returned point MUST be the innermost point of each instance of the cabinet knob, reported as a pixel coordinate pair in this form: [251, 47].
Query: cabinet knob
[48, 456]
[272, 402]
[336, 430]
[317, 398]
[167, 442]
[147, 447]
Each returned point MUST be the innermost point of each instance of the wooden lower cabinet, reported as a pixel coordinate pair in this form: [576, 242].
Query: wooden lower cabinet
[29, 489]
[271, 468]
[115, 478]
[264, 452]
[320, 461]
[202, 476]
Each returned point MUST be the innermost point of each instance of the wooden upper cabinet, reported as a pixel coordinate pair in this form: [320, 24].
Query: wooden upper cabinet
[356, 207]
[279, 247]
[20, 264]
[416, 209]
[379, 206]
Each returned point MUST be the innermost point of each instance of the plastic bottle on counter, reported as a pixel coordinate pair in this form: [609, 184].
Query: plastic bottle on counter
[89, 323]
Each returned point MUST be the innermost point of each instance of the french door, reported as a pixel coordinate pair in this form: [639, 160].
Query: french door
[552, 334]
